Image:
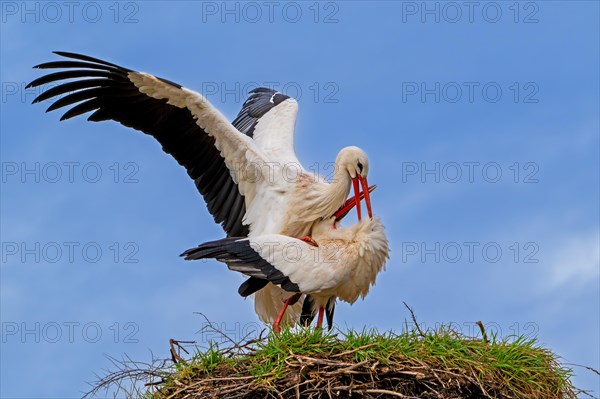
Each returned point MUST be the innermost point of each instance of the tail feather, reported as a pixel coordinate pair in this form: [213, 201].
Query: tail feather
[329, 310]
[239, 256]
[308, 311]
[211, 249]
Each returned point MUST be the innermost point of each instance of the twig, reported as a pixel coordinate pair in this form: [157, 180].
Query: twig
[593, 370]
[414, 319]
[385, 391]
[175, 354]
[348, 352]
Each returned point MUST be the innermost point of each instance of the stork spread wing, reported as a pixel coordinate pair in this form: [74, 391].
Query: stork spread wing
[213, 151]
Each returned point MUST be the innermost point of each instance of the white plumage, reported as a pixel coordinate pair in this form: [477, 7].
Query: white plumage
[344, 265]
[241, 169]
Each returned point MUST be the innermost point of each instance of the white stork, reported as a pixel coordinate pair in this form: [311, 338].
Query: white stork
[242, 169]
[341, 263]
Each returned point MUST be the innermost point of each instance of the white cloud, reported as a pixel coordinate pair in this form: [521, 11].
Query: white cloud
[576, 261]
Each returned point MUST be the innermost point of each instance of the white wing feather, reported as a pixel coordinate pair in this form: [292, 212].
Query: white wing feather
[274, 133]
[248, 165]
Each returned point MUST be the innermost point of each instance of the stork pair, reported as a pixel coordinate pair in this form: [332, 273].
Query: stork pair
[264, 213]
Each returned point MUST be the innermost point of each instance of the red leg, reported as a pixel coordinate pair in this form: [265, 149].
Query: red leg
[320, 317]
[290, 301]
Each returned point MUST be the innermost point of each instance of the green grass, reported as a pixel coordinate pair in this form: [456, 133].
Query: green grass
[369, 364]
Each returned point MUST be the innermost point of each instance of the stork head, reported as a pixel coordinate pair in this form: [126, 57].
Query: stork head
[355, 162]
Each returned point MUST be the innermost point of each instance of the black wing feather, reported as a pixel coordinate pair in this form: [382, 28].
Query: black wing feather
[73, 86]
[76, 64]
[79, 96]
[261, 101]
[112, 96]
[53, 77]
[88, 58]
[252, 285]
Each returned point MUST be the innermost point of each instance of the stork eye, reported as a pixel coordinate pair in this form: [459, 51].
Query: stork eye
[360, 166]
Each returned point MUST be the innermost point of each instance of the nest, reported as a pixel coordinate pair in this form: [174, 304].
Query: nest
[340, 377]
[306, 363]
[298, 365]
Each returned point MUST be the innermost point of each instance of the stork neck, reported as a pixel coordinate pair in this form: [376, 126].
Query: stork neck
[340, 186]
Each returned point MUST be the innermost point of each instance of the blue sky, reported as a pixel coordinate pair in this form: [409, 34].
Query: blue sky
[482, 129]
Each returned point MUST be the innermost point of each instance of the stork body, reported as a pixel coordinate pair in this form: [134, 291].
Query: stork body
[242, 169]
[344, 264]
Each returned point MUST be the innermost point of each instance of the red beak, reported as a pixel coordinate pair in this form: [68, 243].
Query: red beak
[350, 203]
[357, 195]
[365, 187]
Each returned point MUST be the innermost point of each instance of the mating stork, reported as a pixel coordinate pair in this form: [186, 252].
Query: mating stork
[339, 263]
[240, 168]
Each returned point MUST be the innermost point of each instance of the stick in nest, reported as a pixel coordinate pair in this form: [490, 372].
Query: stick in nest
[414, 319]
[175, 354]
